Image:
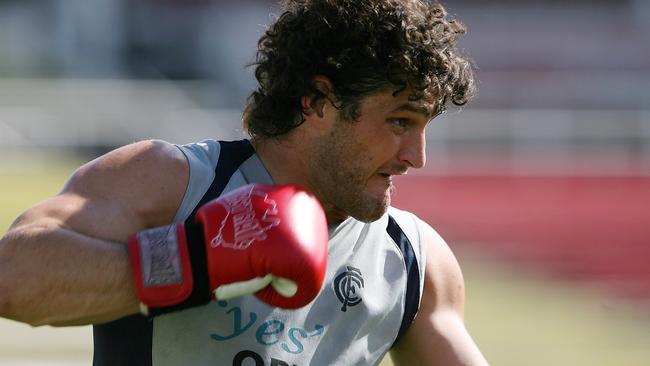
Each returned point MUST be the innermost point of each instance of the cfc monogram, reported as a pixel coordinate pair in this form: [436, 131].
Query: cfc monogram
[346, 285]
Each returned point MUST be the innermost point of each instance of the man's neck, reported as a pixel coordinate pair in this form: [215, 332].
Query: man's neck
[282, 159]
[287, 161]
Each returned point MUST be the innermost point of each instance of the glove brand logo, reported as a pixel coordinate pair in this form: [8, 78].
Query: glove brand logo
[242, 225]
[345, 287]
[160, 261]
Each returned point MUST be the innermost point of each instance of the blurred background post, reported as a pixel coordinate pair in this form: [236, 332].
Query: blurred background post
[541, 186]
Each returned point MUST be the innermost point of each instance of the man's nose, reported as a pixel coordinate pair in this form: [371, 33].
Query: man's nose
[413, 151]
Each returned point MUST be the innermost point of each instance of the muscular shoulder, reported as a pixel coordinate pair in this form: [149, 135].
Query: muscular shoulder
[443, 280]
[147, 178]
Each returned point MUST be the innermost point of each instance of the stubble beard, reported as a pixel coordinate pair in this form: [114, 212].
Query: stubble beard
[339, 173]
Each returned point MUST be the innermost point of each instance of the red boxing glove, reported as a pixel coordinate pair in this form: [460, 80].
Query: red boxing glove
[268, 240]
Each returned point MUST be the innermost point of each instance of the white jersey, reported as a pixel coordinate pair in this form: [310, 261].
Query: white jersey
[370, 295]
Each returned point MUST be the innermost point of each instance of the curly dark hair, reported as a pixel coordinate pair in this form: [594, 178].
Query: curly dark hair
[362, 46]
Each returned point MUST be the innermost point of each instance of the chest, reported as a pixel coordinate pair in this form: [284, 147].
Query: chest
[353, 320]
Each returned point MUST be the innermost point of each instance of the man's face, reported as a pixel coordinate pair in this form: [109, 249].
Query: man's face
[352, 166]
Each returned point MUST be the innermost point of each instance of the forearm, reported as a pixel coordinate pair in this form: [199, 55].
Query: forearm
[54, 276]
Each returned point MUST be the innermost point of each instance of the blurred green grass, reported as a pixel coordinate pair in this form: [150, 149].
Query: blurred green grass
[516, 317]
[26, 179]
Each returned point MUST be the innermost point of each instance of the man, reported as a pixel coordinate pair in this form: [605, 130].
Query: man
[346, 90]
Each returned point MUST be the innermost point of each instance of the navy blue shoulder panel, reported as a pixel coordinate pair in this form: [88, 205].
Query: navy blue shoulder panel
[123, 342]
[128, 341]
[232, 155]
[412, 272]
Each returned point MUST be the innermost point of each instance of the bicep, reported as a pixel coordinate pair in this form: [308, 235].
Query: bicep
[131, 188]
[86, 215]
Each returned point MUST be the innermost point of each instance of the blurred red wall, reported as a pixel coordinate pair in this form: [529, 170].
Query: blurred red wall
[588, 228]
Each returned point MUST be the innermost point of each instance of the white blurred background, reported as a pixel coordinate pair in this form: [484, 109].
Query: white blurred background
[556, 78]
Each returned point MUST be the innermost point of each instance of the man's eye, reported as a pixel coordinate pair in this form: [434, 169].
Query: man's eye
[399, 122]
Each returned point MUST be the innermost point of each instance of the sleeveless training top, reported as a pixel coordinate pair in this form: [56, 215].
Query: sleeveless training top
[370, 295]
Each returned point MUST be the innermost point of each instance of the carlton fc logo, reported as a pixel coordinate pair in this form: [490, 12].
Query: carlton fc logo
[244, 223]
[346, 285]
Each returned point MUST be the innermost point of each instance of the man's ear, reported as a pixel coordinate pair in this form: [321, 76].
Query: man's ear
[315, 102]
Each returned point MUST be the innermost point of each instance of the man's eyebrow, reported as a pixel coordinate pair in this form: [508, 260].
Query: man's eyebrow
[413, 108]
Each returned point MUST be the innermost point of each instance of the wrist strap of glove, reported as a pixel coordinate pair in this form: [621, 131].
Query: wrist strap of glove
[200, 294]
